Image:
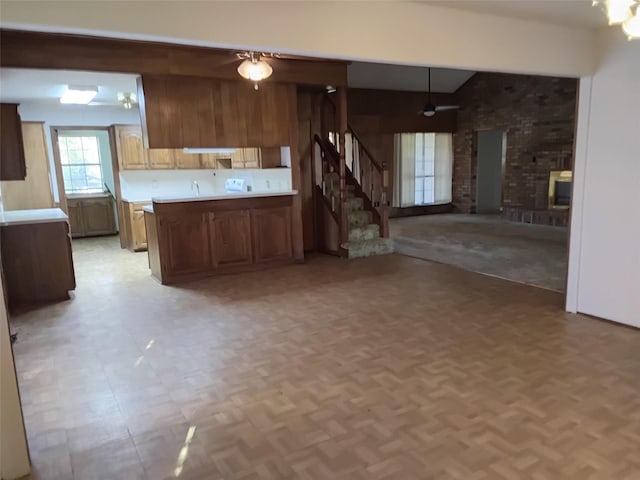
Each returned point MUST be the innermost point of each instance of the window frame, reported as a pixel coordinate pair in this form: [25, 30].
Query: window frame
[64, 150]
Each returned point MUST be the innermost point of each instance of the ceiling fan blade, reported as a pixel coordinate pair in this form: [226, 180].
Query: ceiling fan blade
[444, 108]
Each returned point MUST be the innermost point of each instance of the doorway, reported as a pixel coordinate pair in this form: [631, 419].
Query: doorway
[84, 169]
[492, 149]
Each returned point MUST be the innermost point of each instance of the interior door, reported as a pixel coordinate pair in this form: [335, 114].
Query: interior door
[491, 158]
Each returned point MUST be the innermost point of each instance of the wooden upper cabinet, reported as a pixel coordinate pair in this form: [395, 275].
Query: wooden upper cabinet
[251, 158]
[12, 159]
[186, 160]
[270, 157]
[35, 191]
[161, 158]
[130, 148]
[209, 160]
[180, 111]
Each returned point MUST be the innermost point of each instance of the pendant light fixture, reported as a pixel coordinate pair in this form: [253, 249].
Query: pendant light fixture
[253, 68]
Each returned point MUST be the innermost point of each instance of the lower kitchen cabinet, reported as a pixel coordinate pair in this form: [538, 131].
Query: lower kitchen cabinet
[271, 234]
[132, 227]
[187, 245]
[198, 238]
[230, 238]
[91, 216]
[37, 263]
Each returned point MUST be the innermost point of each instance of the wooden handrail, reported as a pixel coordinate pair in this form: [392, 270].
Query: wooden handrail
[379, 166]
[328, 148]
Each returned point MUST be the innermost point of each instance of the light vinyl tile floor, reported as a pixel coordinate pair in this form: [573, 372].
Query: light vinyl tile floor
[380, 368]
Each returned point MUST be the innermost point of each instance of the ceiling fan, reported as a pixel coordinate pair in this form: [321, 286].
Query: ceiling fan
[429, 110]
[127, 100]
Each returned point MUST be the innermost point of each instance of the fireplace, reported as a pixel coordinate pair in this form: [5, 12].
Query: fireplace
[560, 189]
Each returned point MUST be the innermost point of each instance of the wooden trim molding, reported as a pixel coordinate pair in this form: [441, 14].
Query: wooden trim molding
[26, 49]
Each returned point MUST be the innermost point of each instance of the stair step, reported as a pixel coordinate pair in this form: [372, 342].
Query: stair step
[354, 203]
[359, 218]
[366, 248]
[367, 232]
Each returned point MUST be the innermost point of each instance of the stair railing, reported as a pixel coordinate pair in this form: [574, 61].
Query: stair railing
[329, 164]
[369, 176]
[372, 179]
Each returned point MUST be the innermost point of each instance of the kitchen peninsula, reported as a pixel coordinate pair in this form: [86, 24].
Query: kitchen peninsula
[193, 237]
[36, 256]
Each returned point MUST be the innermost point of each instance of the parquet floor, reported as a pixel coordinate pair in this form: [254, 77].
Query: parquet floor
[380, 368]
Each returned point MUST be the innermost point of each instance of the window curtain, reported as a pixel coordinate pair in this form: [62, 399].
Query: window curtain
[404, 173]
[423, 169]
[443, 167]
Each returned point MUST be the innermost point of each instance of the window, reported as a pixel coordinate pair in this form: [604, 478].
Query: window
[424, 169]
[80, 161]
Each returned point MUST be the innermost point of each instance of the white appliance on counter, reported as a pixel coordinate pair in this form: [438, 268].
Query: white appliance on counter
[234, 185]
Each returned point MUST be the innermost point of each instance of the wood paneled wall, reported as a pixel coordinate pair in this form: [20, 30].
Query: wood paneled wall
[202, 112]
[376, 115]
[23, 49]
[386, 111]
[35, 190]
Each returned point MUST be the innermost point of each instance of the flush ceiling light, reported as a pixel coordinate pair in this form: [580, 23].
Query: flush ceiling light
[253, 68]
[625, 12]
[78, 95]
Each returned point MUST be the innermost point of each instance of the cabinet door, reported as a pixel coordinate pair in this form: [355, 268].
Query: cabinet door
[161, 158]
[97, 216]
[208, 160]
[76, 227]
[251, 158]
[12, 160]
[230, 238]
[271, 229]
[35, 190]
[131, 152]
[186, 160]
[187, 244]
[138, 230]
[237, 158]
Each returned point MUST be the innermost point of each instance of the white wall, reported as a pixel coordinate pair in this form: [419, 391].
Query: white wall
[403, 32]
[604, 263]
[56, 115]
[143, 185]
[14, 459]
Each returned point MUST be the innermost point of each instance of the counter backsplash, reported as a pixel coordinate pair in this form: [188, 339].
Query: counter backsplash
[142, 185]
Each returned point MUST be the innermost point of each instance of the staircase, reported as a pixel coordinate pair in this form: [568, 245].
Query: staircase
[364, 235]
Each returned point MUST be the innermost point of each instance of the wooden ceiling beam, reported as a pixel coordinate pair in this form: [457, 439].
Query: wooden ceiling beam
[26, 49]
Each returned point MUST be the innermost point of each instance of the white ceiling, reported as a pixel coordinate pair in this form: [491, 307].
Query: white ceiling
[402, 77]
[19, 85]
[570, 13]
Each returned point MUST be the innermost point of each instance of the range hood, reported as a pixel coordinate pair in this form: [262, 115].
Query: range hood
[223, 151]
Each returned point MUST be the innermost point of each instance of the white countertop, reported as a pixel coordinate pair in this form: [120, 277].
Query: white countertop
[135, 200]
[40, 215]
[223, 196]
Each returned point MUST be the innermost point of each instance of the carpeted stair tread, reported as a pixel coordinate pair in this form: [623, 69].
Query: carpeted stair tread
[366, 248]
[365, 232]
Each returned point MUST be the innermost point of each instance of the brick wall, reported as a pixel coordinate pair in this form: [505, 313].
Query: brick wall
[538, 116]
